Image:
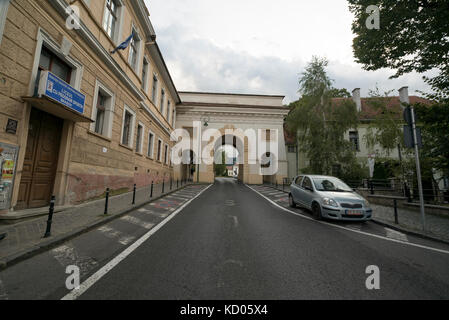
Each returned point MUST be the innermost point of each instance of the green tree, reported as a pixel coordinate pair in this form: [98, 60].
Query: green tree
[385, 128]
[220, 168]
[321, 124]
[413, 36]
[434, 122]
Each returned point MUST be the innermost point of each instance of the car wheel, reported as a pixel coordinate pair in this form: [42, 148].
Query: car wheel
[316, 211]
[291, 202]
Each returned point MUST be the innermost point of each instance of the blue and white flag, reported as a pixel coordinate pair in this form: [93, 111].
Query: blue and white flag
[124, 44]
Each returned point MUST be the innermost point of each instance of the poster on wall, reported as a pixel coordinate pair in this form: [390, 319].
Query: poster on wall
[8, 161]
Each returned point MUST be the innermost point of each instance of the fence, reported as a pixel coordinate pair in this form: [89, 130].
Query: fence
[123, 202]
[397, 187]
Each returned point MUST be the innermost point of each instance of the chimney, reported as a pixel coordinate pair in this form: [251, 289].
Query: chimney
[403, 96]
[356, 98]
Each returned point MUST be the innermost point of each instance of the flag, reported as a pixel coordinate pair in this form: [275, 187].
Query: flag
[124, 44]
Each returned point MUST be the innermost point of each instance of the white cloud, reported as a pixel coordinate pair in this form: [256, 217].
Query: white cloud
[261, 46]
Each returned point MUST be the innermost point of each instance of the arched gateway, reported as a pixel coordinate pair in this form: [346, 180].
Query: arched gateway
[252, 124]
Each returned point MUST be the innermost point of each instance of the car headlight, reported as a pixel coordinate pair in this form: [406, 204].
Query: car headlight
[366, 203]
[330, 202]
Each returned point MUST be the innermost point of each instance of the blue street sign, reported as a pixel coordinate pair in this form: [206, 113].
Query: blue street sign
[62, 92]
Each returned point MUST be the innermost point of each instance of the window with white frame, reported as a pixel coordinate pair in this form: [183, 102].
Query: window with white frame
[134, 50]
[145, 75]
[150, 144]
[162, 101]
[166, 154]
[173, 116]
[129, 118]
[111, 20]
[354, 139]
[139, 138]
[159, 150]
[4, 4]
[103, 110]
[154, 89]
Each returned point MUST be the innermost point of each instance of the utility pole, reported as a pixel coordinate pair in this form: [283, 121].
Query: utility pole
[418, 170]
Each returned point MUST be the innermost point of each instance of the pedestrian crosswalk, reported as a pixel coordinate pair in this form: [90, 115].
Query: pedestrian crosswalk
[123, 231]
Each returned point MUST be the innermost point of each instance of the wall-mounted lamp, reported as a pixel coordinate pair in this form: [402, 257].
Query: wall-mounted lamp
[205, 121]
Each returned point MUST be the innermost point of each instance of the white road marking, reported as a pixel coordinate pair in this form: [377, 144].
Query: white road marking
[348, 229]
[111, 233]
[393, 234]
[236, 221]
[74, 294]
[67, 255]
[137, 222]
[3, 294]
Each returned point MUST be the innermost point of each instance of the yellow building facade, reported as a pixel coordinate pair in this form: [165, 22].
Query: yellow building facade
[120, 137]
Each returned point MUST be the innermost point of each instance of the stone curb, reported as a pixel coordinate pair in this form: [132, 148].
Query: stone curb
[43, 246]
[397, 228]
[409, 232]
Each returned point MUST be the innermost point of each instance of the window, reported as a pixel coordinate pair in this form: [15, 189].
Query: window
[50, 62]
[154, 90]
[306, 183]
[173, 116]
[166, 154]
[111, 18]
[354, 139]
[267, 135]
[128, 126]
[3, 12]
[159, 149]
[298, 180]
[144, 75]
[167, 111]
[139, 139]
[291, 149]
[103, 110]
[134, 49]
[150, 144]
[162, 101]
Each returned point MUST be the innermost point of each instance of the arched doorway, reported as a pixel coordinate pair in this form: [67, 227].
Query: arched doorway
[229, 157]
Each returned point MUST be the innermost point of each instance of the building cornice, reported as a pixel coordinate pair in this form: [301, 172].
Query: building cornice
[86, 35]
[154, 117]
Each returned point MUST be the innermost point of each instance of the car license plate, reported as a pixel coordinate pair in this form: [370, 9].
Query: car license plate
[354, 212]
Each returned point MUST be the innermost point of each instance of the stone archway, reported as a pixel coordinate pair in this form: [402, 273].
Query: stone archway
[247, 117]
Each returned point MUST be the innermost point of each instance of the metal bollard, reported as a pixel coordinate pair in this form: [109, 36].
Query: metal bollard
[171, 183]
[395, 211]
[106, 201]
[50, 217]
[177, 183]
[151, 193]
[163, 186]
[276, 184]
[371, 186]
[134, 194]
[282, 185]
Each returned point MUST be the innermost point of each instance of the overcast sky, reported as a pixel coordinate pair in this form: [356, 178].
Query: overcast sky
[261, 46]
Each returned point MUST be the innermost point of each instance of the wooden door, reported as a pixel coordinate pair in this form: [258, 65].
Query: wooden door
[41, 160]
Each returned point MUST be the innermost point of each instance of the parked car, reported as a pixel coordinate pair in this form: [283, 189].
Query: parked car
[328, 197]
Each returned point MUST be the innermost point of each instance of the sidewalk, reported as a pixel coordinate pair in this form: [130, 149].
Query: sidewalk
[26, 238]
[409, 220]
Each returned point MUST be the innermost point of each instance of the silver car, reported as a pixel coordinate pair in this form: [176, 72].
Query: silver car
[328, 197]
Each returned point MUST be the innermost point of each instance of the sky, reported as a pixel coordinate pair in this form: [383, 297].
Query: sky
[262, 47]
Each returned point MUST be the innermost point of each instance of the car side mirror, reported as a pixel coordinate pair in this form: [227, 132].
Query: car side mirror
[310, 189]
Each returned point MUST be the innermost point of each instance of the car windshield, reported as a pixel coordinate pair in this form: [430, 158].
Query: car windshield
[331, 184]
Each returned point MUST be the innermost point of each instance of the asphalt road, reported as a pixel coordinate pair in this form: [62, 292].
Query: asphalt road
[231, 243]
